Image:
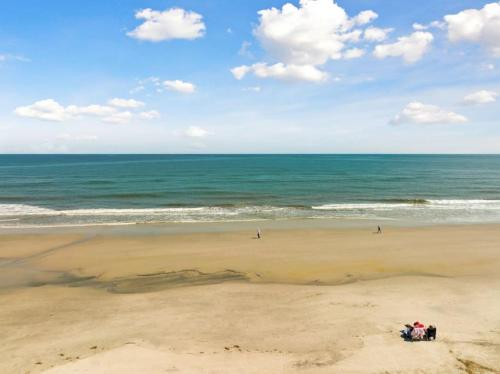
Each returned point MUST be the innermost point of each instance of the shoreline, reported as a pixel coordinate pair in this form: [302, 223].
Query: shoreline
[231, 226]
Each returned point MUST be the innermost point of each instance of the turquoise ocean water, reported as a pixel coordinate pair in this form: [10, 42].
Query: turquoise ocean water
[77, 190]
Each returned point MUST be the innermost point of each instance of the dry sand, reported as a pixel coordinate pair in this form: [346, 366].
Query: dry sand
[297, 301]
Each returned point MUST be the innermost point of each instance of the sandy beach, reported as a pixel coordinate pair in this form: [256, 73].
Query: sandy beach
[301, 300]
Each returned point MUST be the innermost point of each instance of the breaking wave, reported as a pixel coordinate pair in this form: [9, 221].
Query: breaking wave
[438, 211]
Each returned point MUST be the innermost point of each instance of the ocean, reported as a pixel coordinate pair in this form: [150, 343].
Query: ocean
[79, 190]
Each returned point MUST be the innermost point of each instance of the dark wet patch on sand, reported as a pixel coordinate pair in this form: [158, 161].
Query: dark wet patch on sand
[158, 281]
[163, 280]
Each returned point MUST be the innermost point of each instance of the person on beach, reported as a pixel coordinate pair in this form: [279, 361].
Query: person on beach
[379, 230]
[407, 332]
[418, 332]
[431, 332]
[259, 235]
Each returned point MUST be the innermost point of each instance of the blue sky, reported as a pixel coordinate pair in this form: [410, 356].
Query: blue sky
[316, 76]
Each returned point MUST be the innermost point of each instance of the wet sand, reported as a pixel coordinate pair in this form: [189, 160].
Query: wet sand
[310, 300]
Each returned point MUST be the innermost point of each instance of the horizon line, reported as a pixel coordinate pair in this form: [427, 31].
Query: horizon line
[251, 154]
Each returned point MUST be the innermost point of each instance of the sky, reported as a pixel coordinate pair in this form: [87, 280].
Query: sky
[249, 76]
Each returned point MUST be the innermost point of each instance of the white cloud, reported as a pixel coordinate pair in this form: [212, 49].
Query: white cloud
[239, 72]
[126, 103]
[375, 34]
[119, 118]
[477, 25]
[312, 34]
[419, 27]
[180, 86]
[175, 23]
[48, 110]
[304, 37]
[151, 114]
[432, 25]
[480, 97]
[366, 16]
[411, 48]
[418, 113]
[354, 53]
[51, 110]
[196, 132]
[281, 71]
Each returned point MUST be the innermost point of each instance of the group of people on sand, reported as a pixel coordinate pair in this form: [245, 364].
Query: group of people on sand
[418, 331]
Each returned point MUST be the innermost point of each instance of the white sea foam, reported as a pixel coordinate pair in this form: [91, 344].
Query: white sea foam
[466, 204]
[29, 210]
[374, 206]
[24, 210]
[20, 215]
[428, 204]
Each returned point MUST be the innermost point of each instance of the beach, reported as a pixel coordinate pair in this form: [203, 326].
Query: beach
[310, 300]
[250, 187]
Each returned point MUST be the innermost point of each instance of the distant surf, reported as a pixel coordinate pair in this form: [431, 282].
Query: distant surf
[438, 211]
[82, 190]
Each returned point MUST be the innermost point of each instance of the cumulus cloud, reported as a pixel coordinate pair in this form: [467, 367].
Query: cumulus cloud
[477, 25]
[418, 113]
[480, 97]
[281, 71]
[411, 48]
[175, 23]
[196, 132]
[302, 38]
[311, 34]
[179, 86]
[48, 110]
[51, 110]
[375, 34]
[125, 103]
